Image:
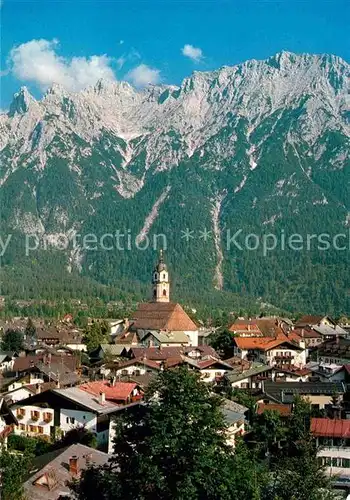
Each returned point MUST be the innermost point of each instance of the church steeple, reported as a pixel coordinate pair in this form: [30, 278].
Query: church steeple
[160, 281]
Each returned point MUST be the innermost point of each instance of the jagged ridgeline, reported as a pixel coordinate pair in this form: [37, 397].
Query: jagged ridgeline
[259, 148]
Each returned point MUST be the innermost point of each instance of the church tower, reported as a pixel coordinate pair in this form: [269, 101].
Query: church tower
[160, 281]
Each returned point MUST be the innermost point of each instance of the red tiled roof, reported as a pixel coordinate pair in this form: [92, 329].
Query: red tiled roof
[283, 410]
[324, 427]
[307, 333]
[162, 316]
[260, 343]
[120, 391]
[246, 328]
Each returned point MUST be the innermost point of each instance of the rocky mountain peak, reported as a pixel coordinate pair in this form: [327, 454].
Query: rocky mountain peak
[21, 102]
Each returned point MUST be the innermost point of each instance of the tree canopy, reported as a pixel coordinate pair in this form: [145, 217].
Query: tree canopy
[172, 447]
[12, 341]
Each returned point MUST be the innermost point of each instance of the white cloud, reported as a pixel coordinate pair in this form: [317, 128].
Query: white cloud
[37, 61]
[194, 53]
[143, 75]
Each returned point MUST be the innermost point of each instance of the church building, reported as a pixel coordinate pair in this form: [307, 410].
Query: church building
[162, 322]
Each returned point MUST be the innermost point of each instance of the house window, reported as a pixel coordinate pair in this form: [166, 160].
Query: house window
[22, 427]
[70, 420]
[124, 372]
[164, 293]
[137, 372]
[35, 415]
[33, 428]
[163, 276]
[41, 430]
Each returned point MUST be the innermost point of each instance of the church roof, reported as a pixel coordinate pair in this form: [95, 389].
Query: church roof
[162, 316]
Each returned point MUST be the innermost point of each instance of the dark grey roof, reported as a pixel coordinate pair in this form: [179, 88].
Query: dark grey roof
[284, 392]
[255, 369]
[56, 465]
[59, 372]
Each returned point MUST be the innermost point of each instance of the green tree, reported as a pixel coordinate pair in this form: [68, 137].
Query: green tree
[13, 471]
[300, 477]
[172, 447]
[268, 429]
[30, 330]
[12, 341]
[223, 343]
[96, 334]
[78, 435]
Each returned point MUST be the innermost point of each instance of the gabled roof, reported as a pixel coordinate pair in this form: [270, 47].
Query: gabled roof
[120, 391]
[53, 467]
[284, 392]
[252, 370]
[149, 363]
[262, 343]
[114, 349]
[307, 333]
[162, 316]
[24, 363]
[324, 427]
[170, 337]
[310, 320]
[241, 327]
[86, 400]
[283, 410]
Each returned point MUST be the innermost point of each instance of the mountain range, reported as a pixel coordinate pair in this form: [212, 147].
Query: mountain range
[259, 150]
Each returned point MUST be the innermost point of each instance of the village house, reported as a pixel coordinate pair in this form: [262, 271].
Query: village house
[333, 442]
[334, 352]
[7, 360]
[7, 422]
[248, 375]
[61, 335]
[235, 417]
[320, 394]
[50, 473]
[270, 351]
[91, 405]
[46, 368]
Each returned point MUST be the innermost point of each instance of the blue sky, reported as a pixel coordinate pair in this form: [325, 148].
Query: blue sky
[45, 40]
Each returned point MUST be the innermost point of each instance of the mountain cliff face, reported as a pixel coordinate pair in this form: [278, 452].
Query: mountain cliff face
[261, 148]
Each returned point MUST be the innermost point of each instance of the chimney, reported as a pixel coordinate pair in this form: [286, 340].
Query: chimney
[38, 388]
[102, 398]
[73, 465]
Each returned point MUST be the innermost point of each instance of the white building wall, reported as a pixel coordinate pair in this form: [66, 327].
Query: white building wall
[235, 429]
[111, 436]
[7, 366]
[19, 394]
[208, 375]
[77, 347]
[27, 425]
[193, 336]
[69, 419]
